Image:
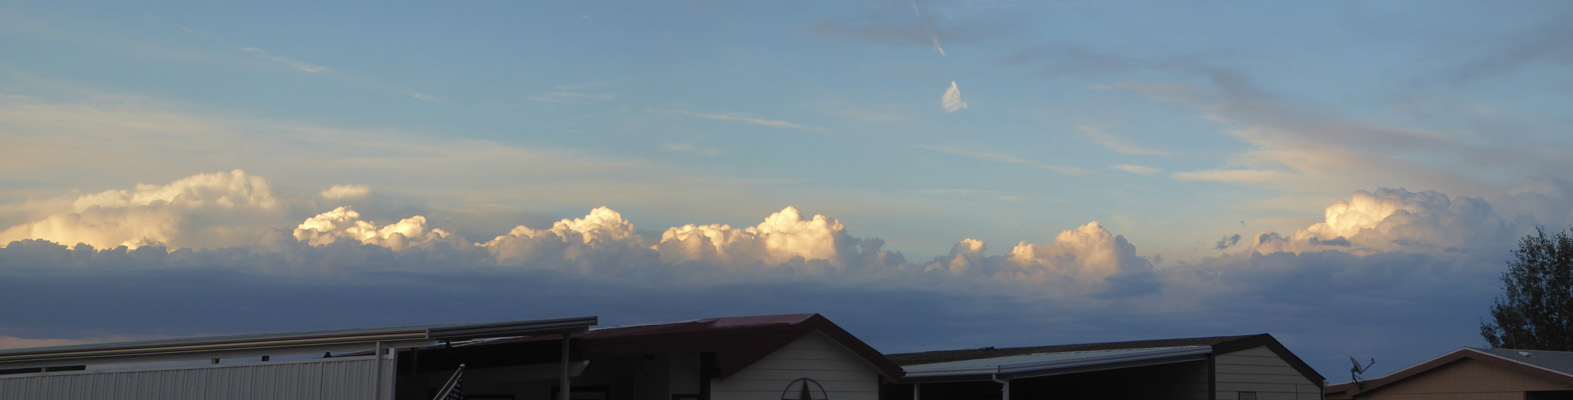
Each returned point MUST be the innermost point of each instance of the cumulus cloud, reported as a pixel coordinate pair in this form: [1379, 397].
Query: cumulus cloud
[783, 237]
[204, 210]
[1087, 260]
[1398, 220]
[583, 242]
[344, 223]
[952, 99]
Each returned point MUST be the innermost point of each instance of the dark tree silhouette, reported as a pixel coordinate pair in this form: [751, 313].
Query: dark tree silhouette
[1535, 310]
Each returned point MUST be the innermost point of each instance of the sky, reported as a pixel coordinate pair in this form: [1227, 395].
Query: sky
[1350, 177]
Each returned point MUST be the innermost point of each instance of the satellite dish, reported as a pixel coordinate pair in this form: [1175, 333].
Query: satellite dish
[1354, 372]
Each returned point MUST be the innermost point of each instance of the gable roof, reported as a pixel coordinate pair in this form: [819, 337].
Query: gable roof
[737, 342]
[1552, 365]
[1047, 360]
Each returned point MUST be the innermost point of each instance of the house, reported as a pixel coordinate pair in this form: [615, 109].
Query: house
[1254, 367]
[1472, 373]
[769, 357]
[802, 356]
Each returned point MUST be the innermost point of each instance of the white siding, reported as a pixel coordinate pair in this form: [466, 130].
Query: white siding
[1260, 370]
[347, 378]
[844, 375]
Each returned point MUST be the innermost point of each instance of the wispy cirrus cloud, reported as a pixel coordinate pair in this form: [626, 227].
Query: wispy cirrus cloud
[1137, 169]
[1118, 143]
[995, 194]
[422, 96]
[1005, 158]
[1235, 175]
[297, 64]
[689, 148]
[565, 97]
[748, 119]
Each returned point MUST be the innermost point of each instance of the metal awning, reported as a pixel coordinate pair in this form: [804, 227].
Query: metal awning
[284, 343]
[1046, 364]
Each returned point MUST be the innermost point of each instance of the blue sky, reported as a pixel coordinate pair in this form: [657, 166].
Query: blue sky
[1028, 172]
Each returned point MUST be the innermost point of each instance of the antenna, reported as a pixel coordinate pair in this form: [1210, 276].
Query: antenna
[1354, 372]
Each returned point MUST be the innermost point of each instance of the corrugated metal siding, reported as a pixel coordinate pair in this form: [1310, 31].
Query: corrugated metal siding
[308, 380]
[844, 375]
[1262, 371]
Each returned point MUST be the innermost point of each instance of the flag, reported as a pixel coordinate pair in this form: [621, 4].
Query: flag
[454, 388]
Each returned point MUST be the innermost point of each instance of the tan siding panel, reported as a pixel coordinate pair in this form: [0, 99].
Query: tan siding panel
[1262, 378]
[1281, 369]
[1466, 376]
[1260, 370]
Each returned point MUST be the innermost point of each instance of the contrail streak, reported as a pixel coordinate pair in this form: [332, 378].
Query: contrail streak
[926, 28]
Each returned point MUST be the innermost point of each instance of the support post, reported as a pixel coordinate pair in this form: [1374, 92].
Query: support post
[917, 390]
[563, 380]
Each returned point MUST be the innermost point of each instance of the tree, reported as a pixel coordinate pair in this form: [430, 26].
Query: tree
[1535, 311]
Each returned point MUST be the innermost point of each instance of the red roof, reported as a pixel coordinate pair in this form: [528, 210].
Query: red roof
[737, 342]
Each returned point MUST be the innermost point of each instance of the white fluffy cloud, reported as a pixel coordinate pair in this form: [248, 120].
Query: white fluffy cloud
[344, 223]
[952, 99]
[1396, 220]
[782, 237]
[1086, 260]
[205, 210]
[578, 240]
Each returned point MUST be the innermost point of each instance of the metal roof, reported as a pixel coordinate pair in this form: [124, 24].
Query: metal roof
[930, 357]
[1043, 364]
[283, 343]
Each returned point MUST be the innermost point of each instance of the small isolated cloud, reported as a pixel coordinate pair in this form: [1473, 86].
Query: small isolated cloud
[297, 64]
[1117, 143]
[748, 119]
[338, 192]
[1005, 158]
[952, 99]
[1227, 241]
[1137, 169]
